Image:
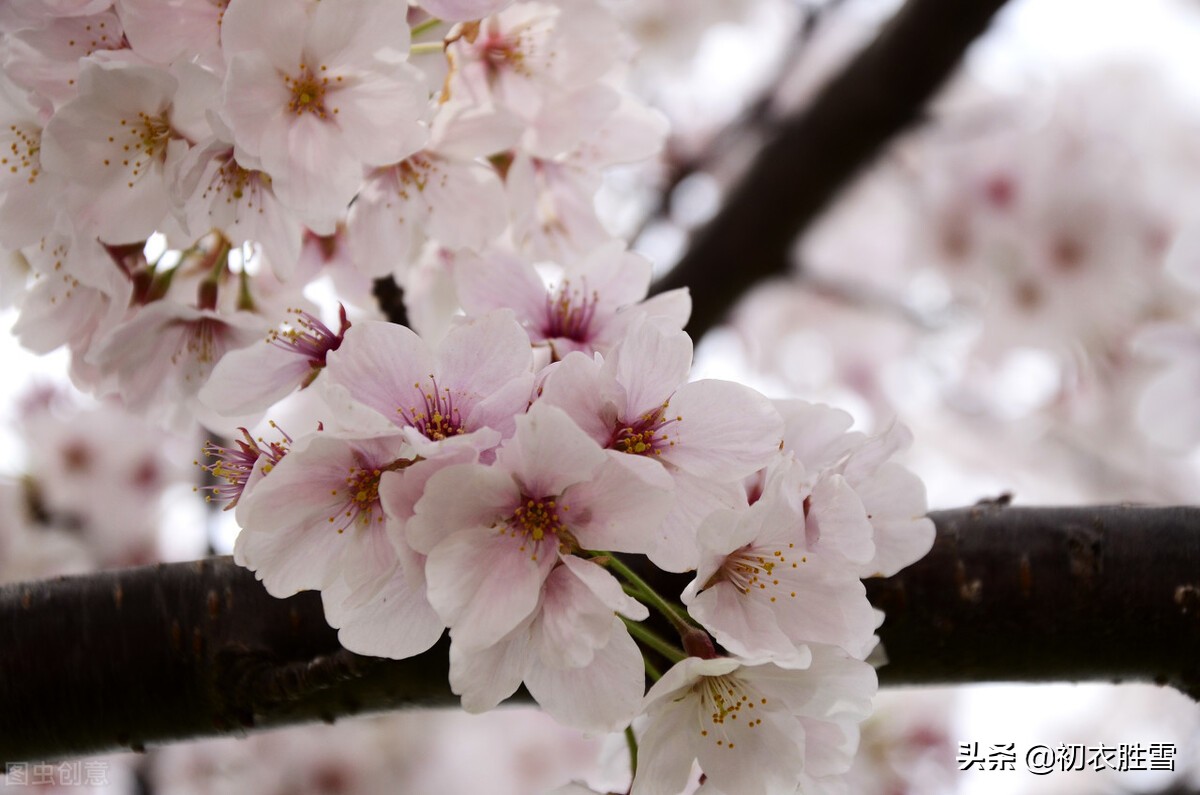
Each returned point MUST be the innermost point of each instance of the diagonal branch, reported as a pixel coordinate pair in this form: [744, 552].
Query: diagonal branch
[130, 658]
[815, 153]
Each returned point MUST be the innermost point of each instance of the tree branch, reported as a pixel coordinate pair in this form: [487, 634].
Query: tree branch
[129, 658]
[815, 153]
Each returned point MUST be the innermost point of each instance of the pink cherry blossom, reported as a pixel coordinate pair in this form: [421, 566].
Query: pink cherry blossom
[115, 142]
[589, 309]
[465, 392]
[494, 533]
[251, 379]
[573, 653]
[764, 593]
[317, 514]
[316, 91]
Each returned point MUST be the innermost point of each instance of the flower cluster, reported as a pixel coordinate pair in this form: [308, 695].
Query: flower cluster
[498, 496]
[491, 470]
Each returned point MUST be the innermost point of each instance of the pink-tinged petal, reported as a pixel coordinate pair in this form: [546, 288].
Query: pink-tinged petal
[673, 307]
[601, 696]
[315, 175]
[589, 395]
[398, 622]
[829, 605]
[728, 431]
[870, 455]
[255, 103]
[379, 119]
[817, 435]
[724, 531]
[460, 497]
[606, 588]
[829, 747]
[463, 10]
[572, 622]
[651, 363]
[401, 490]
[895, 502]
[567, 117]
[549, 452]
[467, 205]
[252, 379]
[484, 582]
[288, 563]
[368, 560]
[486, 677]
[382, 227]
[833, 686]
[487, 353]
[358, 32]
[743, 625]
[837, 520]
[276, 30]
[768, 758]
[620, 277]
[622, 506]
[666, 750]
[675, 548]
[381, 365]
[500, 280]
[296, 517]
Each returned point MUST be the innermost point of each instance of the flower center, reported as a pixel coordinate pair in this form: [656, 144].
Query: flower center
[646, 435]
[569, 314]
[310, 338]
[751, 569]
[308, 92]
[360, 498]
[438, 418]
[536, 518]
[23, 150]
[235, 465]
[723, 698]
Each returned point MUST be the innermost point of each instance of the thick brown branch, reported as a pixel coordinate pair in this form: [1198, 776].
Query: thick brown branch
[143, 656]
[815, 153]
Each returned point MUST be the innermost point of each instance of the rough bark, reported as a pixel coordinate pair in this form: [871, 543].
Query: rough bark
[814, 154]
[144, 656]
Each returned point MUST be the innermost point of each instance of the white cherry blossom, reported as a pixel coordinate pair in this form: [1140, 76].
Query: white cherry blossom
[316, 91]
[748, 725]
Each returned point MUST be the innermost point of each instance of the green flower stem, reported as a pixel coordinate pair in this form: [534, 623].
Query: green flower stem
[652, 597]
[631, 741]
[651, 670]
[647, 636]
[427, 48]
[425, 26]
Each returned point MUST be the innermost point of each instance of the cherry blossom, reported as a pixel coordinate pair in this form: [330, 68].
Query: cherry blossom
[494, 533]
[251, 379]
[706, 434]
[748, 725]
[573, 653]
[585, 310]
[764, 593]
[467, 392]
[115, 141]
[317, 514]
[326, 96]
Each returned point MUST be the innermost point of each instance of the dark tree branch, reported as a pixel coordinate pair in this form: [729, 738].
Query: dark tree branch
[815, 153]
[143, 656]
[390, 296]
